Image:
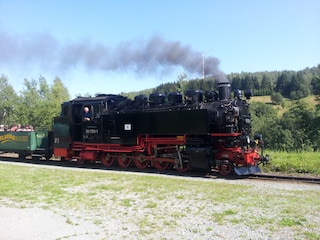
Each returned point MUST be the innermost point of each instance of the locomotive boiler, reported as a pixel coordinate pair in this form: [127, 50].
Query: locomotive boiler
[199, 130]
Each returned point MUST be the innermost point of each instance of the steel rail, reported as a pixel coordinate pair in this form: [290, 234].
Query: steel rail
[288, 178]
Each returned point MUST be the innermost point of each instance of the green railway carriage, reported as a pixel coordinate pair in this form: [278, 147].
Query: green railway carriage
[36, 144]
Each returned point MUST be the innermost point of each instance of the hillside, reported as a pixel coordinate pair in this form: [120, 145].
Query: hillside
[310, 100]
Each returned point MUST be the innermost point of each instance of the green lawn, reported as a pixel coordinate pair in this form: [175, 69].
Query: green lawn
[294, 162]
[154, 203]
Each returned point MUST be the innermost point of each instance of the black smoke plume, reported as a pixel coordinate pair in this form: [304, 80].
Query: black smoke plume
[141, 56]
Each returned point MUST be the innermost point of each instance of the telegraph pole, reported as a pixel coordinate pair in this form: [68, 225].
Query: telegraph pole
[203, 65]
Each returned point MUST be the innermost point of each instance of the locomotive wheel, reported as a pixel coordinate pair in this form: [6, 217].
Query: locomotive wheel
[124, 161]
[107, 160]
[185, 167]
[22, 155]
[80, 161]
[140, 163]
[161, 165]
[225, 169]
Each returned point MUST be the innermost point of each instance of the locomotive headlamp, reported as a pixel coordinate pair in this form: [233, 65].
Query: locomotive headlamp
[244, 141]
[258, 136]
[248, 93]
[237, 94]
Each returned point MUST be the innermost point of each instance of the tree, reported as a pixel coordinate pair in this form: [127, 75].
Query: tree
[316, 124]
[51, 104]
[266, 122]
[277, 98]
[8, 102]
[266, 84]
[314, 136]
[277, 138]
[299, 121]
[262, 114]
[315, 83]
[235, 83]
[59, 92]
[43, 102]
[283, 84]
[298, 87]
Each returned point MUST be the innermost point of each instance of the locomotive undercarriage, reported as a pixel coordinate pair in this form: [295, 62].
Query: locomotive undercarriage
[161, 153]
[161, 161]
[180, 152]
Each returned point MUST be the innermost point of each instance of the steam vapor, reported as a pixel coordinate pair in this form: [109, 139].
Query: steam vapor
[153, 55]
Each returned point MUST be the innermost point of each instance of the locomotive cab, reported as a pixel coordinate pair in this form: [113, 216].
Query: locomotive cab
[70, 126]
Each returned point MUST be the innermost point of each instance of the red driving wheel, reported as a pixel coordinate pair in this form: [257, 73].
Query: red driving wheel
[107, 160]
[140, 162]
[185, 167]
[161, 165]
[225, 169]
[124, 161]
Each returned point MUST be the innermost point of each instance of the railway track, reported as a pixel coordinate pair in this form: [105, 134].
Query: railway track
[70, 164]
[287, 178]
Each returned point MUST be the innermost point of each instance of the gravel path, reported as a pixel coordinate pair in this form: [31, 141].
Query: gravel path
[19, 221]
[39, 224]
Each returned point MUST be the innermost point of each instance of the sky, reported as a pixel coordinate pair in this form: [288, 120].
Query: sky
[106, 46]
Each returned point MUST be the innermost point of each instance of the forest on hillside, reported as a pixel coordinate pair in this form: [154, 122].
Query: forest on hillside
[296, 130]
[290, 84]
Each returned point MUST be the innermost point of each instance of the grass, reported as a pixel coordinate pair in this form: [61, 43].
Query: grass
[294, 162]
[154, 203]
[288, 103]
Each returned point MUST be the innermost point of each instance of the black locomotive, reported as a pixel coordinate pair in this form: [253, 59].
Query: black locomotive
[200, 130]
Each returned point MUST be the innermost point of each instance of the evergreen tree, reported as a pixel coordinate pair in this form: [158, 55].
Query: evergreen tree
[283, 84]
[266, 84]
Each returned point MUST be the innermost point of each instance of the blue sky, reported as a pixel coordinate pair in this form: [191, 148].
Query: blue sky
[121, 46]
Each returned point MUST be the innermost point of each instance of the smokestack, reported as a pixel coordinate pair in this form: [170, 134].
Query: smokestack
[224, 90]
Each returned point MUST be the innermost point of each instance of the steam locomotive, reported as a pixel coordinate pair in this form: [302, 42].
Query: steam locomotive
[205, 131]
